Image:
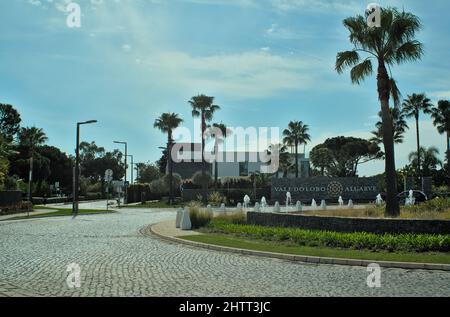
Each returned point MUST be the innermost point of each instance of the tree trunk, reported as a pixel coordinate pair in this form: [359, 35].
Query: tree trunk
[296, 159]
[169, 161]
[448, 159]
[204, 185]
[392, 204]
[419, 165]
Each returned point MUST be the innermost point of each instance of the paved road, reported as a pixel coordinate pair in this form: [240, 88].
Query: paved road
[116, 260]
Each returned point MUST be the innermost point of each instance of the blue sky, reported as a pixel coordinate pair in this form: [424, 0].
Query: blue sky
[266, 61]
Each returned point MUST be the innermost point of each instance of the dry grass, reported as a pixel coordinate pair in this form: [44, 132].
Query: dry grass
[377, 212]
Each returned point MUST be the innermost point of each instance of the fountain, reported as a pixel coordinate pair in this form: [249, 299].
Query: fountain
[246, 201]
[223, 208]
[410, 201]
[209, 210]
[288, 199]
[350, 204]
[299, 206]
[239, 207]
[341, 201]
[313, 204]
[379, 200]
[277, 208]
[257, 207]
[263, 203]
[323, 205]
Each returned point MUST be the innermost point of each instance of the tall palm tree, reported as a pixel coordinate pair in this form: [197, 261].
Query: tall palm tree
[30, 139]
[412, 107]
[441, 119]
[203, 107]
[219, 139]
[391, 43]
[430, 159]
[296, 134]
[399, 123]
[168, 122]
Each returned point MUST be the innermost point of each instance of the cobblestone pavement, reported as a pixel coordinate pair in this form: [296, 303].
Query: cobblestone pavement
[116, 260]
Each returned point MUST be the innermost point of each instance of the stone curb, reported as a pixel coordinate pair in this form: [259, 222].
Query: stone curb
[300, 258]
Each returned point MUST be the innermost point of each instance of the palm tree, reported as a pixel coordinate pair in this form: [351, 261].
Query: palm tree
[203, 107]
[168, 122]
[30, 139]
[429, 157]
[441, 119]
[219, 139]
[391, 43]
[412, 106]
[400, 126]
[284, 160]
[295, 135]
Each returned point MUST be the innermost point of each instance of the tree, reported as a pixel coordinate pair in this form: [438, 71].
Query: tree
[30, 139]
[147, 173]
[412, 107]
[162, 162]
[203, 107]
[321, 158]
[59, 167]
[220, 132]
[296, 134]
[430, 160]
[391, 43]
[341, 156]
[441, 120]
[9, 122]
[166, 123]
[400, 126]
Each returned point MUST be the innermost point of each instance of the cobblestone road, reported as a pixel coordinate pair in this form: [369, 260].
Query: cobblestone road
[116, 260]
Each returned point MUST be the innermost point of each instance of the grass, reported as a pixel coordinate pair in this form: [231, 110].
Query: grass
[56, 212]
[290, 248]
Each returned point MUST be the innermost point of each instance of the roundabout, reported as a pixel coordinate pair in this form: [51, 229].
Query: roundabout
[117, 260]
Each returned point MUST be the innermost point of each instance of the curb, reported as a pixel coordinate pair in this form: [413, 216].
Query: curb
[300, 258]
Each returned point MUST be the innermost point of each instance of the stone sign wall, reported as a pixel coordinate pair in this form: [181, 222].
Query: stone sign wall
[318, 188]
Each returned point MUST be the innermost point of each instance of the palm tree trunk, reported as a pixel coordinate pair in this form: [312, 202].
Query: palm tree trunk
[296, 159]
[169, 161]
[204, 185]
[448, 159]
[392, 204]
[419, 165]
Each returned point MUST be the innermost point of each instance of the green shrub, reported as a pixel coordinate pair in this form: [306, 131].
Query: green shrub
[237, 218]
[216, 199]
[358, 240]
[434, 205]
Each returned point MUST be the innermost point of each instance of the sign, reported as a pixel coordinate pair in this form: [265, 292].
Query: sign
[108, 175]
[318, 188]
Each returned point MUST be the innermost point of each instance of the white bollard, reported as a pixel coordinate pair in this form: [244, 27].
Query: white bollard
[179, 216]
[186, 220]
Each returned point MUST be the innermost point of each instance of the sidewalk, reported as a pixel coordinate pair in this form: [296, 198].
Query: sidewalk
[24, 214]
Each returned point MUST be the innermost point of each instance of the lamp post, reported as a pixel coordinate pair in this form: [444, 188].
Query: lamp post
[132, 168]
[126, 167]
[76, 183]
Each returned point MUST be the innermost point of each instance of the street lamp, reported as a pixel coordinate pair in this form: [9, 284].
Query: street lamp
[76, 185]
[126, 155]
[132, 168]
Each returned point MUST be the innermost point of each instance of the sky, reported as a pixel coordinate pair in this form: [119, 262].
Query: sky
[267, 62]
